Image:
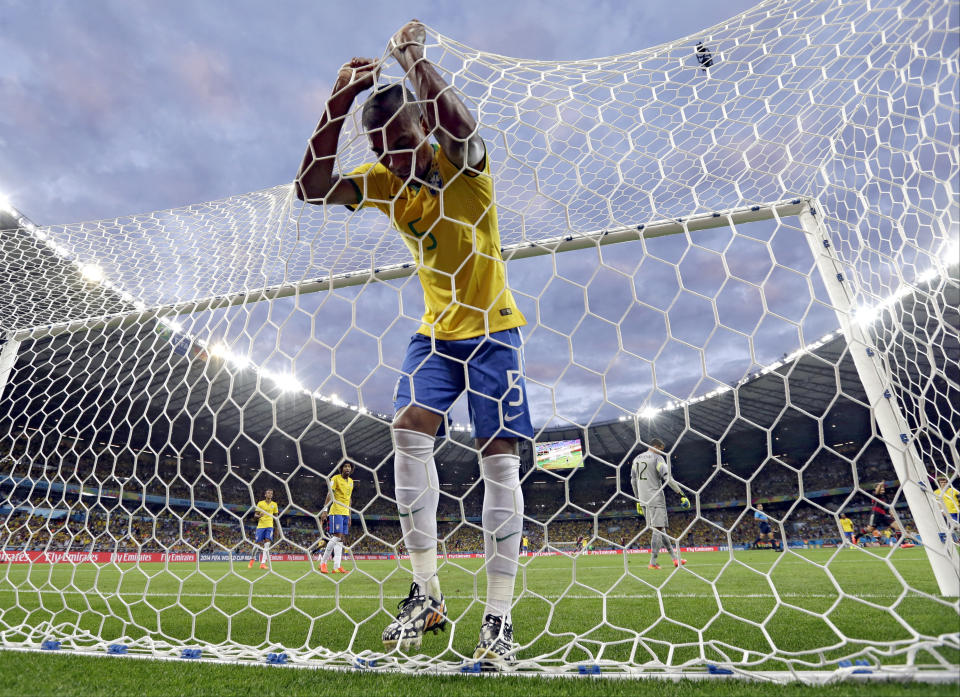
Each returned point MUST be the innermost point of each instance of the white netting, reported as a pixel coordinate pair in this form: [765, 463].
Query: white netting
[666, 223]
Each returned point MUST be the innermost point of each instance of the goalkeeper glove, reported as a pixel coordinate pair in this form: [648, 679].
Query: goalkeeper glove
[639, 509]
[684, 502]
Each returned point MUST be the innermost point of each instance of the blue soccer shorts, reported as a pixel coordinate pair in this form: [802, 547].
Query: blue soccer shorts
[489, 368]
[338, 524]
[764, 528]
[264, 535]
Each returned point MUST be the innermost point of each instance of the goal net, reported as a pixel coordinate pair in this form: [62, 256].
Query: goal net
[742, 243]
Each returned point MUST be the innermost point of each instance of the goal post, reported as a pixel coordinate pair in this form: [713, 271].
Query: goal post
[8, 357]
[898, 437]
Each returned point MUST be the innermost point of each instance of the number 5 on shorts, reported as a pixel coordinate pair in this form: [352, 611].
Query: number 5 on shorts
[513, 376]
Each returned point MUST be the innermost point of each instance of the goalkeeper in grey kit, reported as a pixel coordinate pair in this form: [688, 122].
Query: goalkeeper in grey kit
[648, 475]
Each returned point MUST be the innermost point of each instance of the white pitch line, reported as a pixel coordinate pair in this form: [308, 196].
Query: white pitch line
[344, 596]
[732, 563]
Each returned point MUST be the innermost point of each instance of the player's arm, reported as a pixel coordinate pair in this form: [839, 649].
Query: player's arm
[316, 182]
[667, 479]
[941, 498]
[325, 511]
[449, 118]
[672, 483]
[276, 522]
[635, 486]
[949, 501]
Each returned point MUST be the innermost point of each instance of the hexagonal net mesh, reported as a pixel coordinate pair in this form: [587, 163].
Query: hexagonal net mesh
[745, 248]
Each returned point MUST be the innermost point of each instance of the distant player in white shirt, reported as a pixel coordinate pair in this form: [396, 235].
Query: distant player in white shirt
[648, 475]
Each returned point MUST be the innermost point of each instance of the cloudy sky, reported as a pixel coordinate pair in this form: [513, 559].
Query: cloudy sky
[117, 108]
[113, 108]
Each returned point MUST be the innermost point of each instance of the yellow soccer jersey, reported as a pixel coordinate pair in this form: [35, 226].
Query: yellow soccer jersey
[451, 229]
[846, 524]
[342, 491]
[269, 511]
[524, 542]
[949, 498]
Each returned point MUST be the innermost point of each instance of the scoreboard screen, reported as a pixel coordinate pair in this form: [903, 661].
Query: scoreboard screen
[559, 454]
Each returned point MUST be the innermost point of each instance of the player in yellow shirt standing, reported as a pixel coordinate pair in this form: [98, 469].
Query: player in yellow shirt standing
[267, 513]
[949, 499]
[336, 516]
[439, 198]
[847, 526]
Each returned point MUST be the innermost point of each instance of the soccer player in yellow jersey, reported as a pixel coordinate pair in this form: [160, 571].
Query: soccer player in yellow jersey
[949, 499]
[847, 526]
[267, 513]
[439, 199]
[336, 516]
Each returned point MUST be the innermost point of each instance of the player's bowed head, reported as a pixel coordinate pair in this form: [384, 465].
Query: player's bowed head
[397, 131]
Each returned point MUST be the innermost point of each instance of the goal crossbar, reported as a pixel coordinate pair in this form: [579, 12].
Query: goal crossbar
[522, 250]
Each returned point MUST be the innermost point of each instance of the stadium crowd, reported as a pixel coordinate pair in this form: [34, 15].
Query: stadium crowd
[64, 519]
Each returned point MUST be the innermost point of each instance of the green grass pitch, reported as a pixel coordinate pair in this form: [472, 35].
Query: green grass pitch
[589, 607]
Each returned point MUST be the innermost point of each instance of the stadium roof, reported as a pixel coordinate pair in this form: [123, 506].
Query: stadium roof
[39, 284]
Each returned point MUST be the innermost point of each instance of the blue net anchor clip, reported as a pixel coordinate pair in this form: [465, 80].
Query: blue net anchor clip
[191, 653]
[276, 659]
[364, 663]
[862, 662]
[717, 670]
[591, 669]
[472, 667]
[866, 667]
[50, 645]
[117, 649]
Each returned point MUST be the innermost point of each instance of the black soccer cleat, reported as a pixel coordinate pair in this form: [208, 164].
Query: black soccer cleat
[419, 613]
[496, 646]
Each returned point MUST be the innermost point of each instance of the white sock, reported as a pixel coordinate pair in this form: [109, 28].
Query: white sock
[328, 550]
[499, 595]
[424, 563]
[266, 556]
[338, 554]
[418, 494]
[502, 525]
